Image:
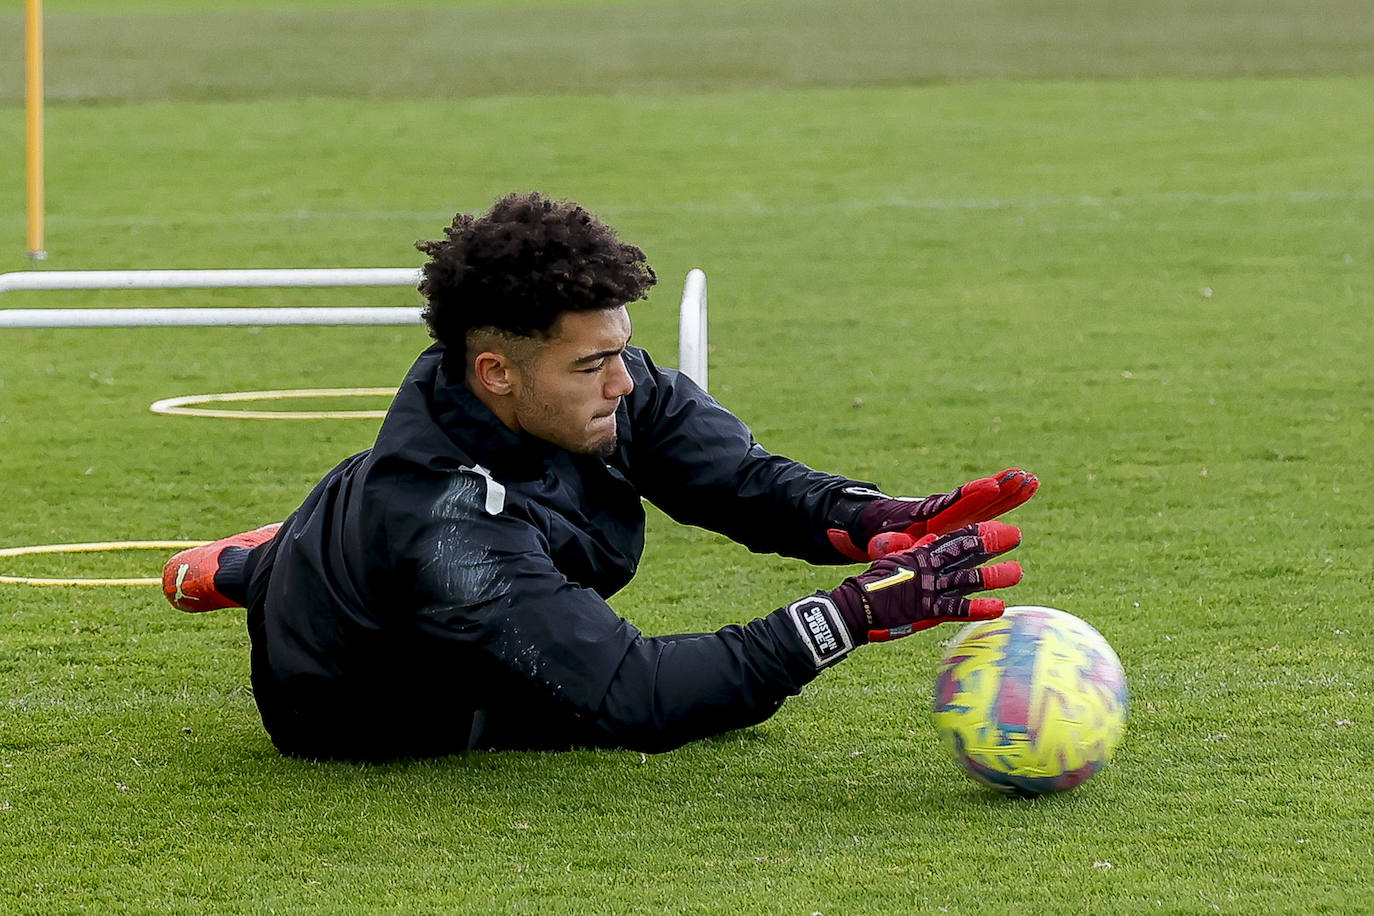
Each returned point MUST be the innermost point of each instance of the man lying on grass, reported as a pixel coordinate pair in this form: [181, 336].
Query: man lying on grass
[446, 589]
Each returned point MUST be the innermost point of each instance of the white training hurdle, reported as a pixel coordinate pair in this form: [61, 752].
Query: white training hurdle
[39, 280]
[691, 328]
[203, 317]
[202, 279]
[691, 314]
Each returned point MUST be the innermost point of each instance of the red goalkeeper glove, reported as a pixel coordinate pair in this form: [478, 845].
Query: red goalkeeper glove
[888, 524]
[927, 585]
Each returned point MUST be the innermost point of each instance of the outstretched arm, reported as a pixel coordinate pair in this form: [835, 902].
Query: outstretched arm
[698, 462]
[670, 690]
[656, 693]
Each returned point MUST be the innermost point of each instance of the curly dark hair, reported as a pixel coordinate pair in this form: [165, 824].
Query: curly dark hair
[516, 268]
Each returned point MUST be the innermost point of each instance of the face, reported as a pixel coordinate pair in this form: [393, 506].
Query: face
[567, 393]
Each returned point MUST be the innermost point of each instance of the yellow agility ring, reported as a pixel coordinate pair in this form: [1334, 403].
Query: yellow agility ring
[99, 547]
[181, 406]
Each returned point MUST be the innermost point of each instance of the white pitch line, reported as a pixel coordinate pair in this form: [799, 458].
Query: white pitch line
[92, 547]
[182, 405]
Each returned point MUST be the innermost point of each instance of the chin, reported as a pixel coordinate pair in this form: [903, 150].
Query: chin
[605, 443]
[603, 447]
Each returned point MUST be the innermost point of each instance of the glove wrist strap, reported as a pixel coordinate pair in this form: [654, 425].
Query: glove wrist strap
[821, 627]
[845, 508]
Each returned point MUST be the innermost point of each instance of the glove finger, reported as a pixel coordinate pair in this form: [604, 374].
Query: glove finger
[973, 545]
[985, 608]
[880, 545]
[980, 578]
[983, 499]
[1015, 488]
[843, 543]
[970, 505]
[949, 608]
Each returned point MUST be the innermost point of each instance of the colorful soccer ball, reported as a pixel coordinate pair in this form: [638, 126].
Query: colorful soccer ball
[1032, 702]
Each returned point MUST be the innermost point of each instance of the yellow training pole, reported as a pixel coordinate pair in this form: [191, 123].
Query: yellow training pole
[33, 100]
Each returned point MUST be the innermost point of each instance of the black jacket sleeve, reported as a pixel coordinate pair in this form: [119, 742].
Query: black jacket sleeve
[495, 588]
[699, 463]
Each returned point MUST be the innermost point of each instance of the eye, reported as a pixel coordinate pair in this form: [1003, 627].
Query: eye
[594, 369]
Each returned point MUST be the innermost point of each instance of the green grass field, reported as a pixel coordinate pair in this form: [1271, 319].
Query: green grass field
[1129, 249]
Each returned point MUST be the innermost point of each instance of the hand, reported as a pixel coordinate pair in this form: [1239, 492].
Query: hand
[927, 585]
[887, 524]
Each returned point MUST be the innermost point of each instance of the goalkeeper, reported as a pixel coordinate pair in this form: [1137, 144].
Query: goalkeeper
[446, 589]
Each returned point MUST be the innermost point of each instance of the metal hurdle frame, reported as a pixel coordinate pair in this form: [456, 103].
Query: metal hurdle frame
[692, 315]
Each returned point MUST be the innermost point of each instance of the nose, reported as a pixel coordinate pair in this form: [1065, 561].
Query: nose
[618, 381]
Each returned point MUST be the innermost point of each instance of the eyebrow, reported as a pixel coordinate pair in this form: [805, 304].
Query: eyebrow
[600, 354]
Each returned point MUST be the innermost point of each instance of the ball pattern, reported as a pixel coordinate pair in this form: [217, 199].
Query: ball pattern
[1032, 702]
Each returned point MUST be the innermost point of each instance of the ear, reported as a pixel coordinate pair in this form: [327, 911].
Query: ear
[494, 372]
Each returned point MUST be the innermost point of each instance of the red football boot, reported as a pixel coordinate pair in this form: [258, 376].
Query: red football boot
[188, 579]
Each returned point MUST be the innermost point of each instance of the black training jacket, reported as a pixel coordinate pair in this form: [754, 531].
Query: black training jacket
[447, 588]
